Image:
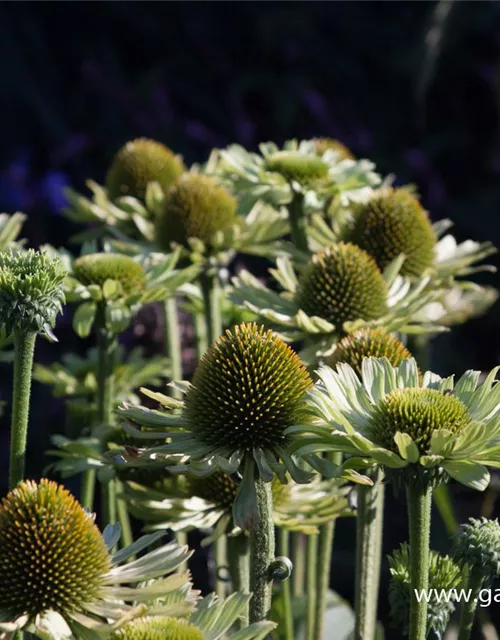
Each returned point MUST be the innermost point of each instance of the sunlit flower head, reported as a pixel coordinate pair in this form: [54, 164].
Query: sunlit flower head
[422, 426]
[57, 569]
[331, 144]
[138, 163]
[97, 268]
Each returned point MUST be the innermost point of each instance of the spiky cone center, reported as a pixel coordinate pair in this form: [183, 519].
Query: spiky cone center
[138, 163]
[52, 555]
[31, 290]
[297, 166]
[418, 412]
[195, 207]
[478, 545]
[330, 144]
[158, 628]
[393, 222]
[341, 284]
[96, 268]
[368, 343]
[247, 389]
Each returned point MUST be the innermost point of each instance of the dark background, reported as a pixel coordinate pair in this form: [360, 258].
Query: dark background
[414, 86]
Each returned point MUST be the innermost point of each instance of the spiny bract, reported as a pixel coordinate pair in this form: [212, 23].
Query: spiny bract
[138, 163]
[158, 628]
[393, 222]
[96, 268]
[31, 290]
[330, 144]
[297, 166]
[342, 283]
[247, 390]
[52, 555]
[195, 207]
[368, 343]
[418, 412]
[478, 545]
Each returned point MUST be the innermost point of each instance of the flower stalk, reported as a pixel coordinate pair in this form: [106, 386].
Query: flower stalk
[474, 584]
[312, 552]
[210, 288]
[369, 525]
[238, 555]
[286, 590]
[419, 500]
[261, 553]
[173, 345]
[298, 221]
[24, 347]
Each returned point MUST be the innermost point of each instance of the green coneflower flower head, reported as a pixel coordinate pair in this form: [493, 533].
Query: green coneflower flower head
[331, 144]
[342, 283]
[97, 268]
[158, 628]
[368, 343]
[31, 291]
[391, 223]
[297, 166]
[52, 555]
[478, 546]
[138, 163]
[195, 207]
[246, 390]
[444, 574]
[418, 412]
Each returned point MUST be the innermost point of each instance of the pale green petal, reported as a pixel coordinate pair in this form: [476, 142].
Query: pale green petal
[245, 508]
[256, 631]
[52, 626]
[407, 448]
[471, 474]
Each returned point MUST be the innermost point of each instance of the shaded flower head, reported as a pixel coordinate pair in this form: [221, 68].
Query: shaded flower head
[97, 268]
[31, 291]
[368, 343]
[444, 575]
[138, 163]
[342, 284]
[195, 207]
[424, 426]
[477, 546]
[393, 222]
[52, 555]
[158, 628]
[331, 144]
[297, 166]
[58, 572]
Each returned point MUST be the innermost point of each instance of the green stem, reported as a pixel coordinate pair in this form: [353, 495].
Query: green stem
[238, 556]
[200, 330]
[298, 222]
[261, 553]
[475, 581]
[173, 345]
[299, 564]
[87, 489]
[211, 292]
[220, 563]
[127, 537]
[419, 519]
[369, 523]
[24, 348]
[325, 548]
[106, 353]
[312, 552]
[182, 540]
[286, 591]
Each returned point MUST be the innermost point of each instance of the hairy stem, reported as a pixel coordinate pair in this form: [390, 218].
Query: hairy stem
[173, 345]
[127, 537]
[298, 222]
[261, 553]
[238, 555]
[312, 551]
[475, 581]
[368, 556]
[286, 590]
[220, 563]
[87, 489]
[211, 292]
[419, 518]
[106, 353]
[299, 564]
[24, 348]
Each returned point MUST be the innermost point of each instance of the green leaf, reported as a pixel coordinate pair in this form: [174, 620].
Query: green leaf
[406, 447]
[84, 318]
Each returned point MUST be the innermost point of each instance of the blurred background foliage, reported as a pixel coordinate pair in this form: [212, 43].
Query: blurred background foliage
[414, 86]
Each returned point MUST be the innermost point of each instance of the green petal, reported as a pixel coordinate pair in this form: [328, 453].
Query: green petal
[84, 319]
[469, 473]
[256, 631]
[245, 508]
[407, 448]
